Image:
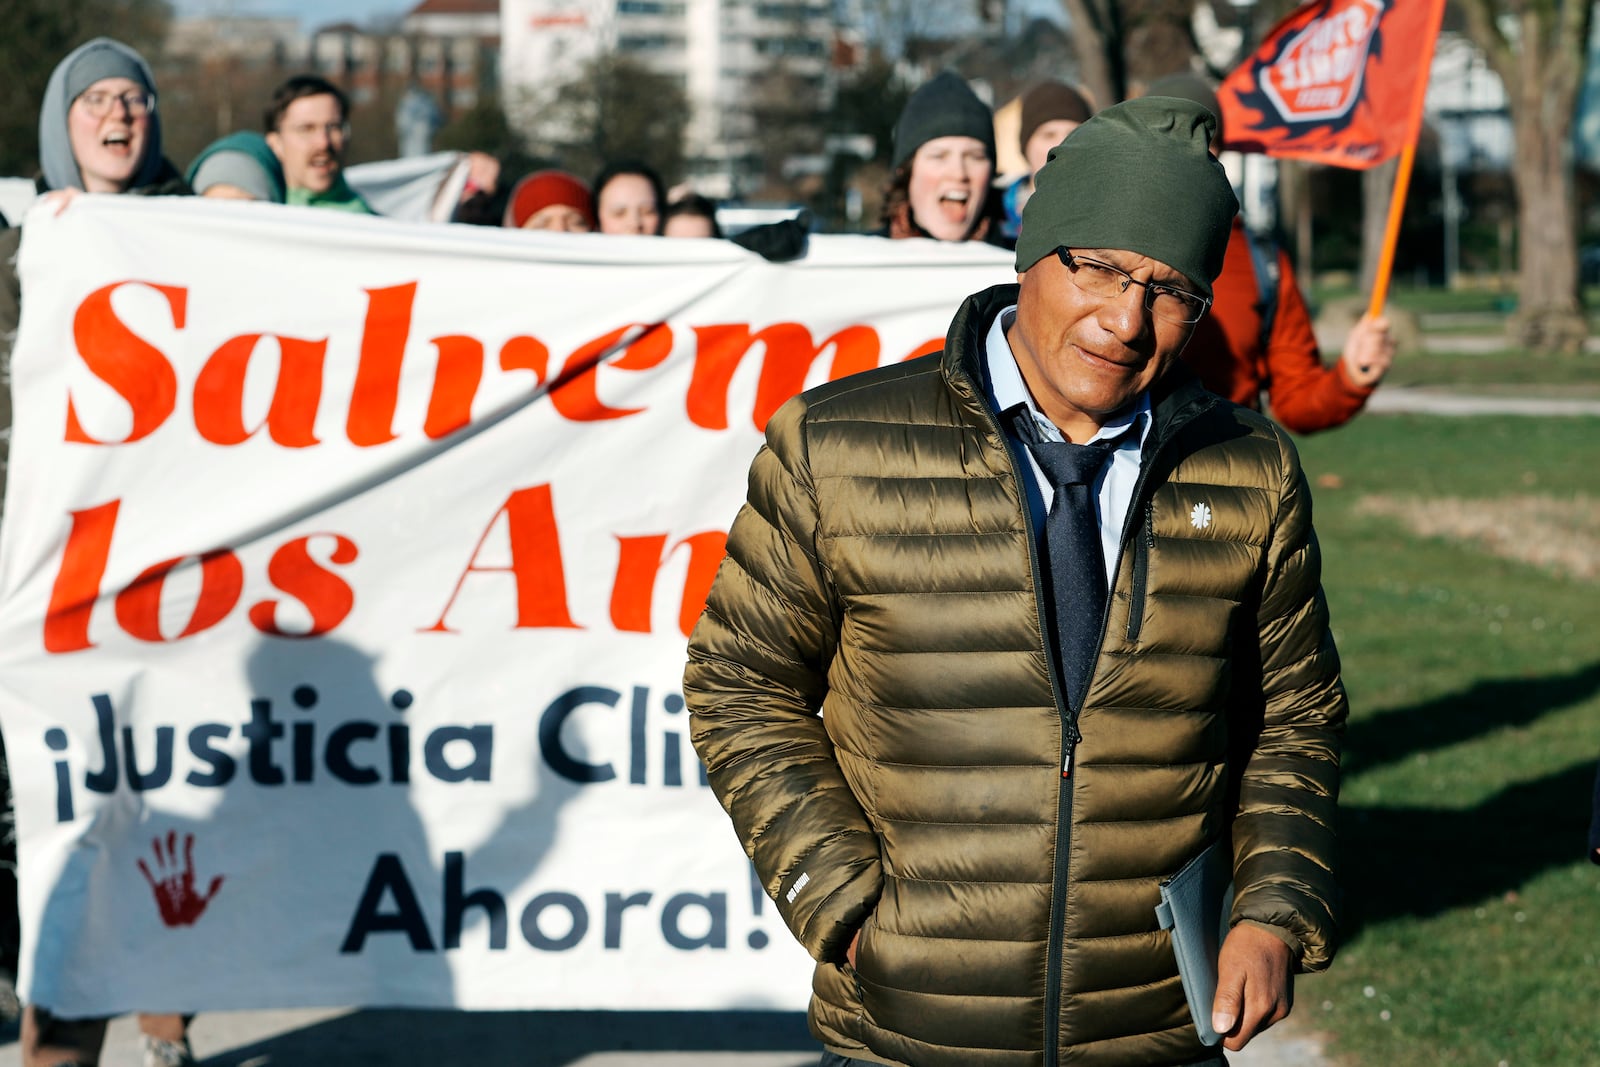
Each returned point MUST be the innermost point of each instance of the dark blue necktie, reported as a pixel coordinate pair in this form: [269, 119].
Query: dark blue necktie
[1077, 568]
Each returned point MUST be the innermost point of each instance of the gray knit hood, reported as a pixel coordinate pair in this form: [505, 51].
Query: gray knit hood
[85, 65]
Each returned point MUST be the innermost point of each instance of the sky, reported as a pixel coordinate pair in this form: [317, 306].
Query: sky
[311, 13]
[314, 13]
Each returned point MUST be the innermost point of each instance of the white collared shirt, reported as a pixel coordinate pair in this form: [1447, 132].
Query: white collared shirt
[1115, 484]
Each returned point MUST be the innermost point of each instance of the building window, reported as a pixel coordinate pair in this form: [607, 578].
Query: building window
[649, 7]
[785, 12]
[788, 46]
[648, 42]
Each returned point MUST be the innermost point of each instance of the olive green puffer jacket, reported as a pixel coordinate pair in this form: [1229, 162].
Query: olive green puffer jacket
[872, 696]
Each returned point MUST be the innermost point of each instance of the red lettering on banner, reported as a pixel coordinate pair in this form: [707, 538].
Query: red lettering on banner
[575, 394]
[221, 582]
[328, 599]
[526, 353]
[639, 567]
[146, 378]
[291, 420]
[77, 585]
[455, 385]
[789, 354]
[129, 364]
[535, 563]
[383, 350]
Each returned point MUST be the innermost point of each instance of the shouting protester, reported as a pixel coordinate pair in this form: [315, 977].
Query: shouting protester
[943, 161]
[1005, 636]
[98, 127]
[99, 132]
[308, 127]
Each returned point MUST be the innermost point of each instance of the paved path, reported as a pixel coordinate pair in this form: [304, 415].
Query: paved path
[339, 1038]
[1389, 399]
[1481, 343]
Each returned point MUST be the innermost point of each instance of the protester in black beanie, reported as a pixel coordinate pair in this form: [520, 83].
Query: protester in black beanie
[943, 159]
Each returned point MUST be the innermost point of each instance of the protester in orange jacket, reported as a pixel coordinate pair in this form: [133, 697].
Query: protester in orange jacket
[1240, 354]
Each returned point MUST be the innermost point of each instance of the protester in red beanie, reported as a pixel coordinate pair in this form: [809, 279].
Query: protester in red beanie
[551, 200]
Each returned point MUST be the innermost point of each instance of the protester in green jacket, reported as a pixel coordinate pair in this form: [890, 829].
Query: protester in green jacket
[308, 127]
[240, 166]
[961, 772]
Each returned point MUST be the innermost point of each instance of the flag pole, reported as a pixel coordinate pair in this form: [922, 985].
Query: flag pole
[1402, 177]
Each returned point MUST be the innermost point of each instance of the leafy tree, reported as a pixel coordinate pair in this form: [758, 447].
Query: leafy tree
[617, 108]
[38, 34]
[1539, 49]
[869, 102]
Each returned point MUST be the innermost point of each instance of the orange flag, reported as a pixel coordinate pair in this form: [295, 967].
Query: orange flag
[1337, 81]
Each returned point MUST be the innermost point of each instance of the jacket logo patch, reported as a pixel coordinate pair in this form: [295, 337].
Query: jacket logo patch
[1200, 516]
[794, 890]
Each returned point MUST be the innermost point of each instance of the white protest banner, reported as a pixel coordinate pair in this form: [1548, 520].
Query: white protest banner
[416, 189]
[345, 577]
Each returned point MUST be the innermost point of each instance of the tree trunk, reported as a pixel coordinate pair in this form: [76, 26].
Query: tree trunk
[1294, 214]
[1549, 316]
[1539, 51]
[1095, 43]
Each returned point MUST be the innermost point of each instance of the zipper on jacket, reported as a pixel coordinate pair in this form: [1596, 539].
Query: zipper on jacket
[1058, 923]
[1069, 720]
[1069, 741]
[1142, 547]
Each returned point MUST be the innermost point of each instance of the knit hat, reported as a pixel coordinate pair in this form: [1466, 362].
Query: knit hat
[1048, 102]
[545, 188]
[1140, 177]
[241, 159]
[944, 107]
[98, 63]
[83, 66]
[1187, 85]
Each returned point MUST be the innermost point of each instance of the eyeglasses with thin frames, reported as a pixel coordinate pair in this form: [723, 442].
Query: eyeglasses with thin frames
[97, 103]
[1163, 301]
[304, 131]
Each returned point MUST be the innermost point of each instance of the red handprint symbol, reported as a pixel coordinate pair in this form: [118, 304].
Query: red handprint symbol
[173, 884]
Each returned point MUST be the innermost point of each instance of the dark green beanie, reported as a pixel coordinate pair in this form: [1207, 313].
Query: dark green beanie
[944, 107]
[1138, 177]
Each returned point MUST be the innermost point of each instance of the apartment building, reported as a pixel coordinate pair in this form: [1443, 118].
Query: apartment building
[449, 48]
[725, 54]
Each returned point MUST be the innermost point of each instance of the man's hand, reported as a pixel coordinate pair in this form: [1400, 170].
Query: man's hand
[850, 953]
[1368, 352]
[1255, 985]
[483, 174]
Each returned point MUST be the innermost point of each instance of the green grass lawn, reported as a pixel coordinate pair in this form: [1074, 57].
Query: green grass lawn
[1479, 309]
[1501, 371]
[1474, 922]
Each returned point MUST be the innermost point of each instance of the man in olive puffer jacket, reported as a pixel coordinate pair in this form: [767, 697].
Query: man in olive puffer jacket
[967, 833]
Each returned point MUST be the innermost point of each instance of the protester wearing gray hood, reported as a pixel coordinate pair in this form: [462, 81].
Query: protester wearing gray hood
[98, 127]
[98, 133]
